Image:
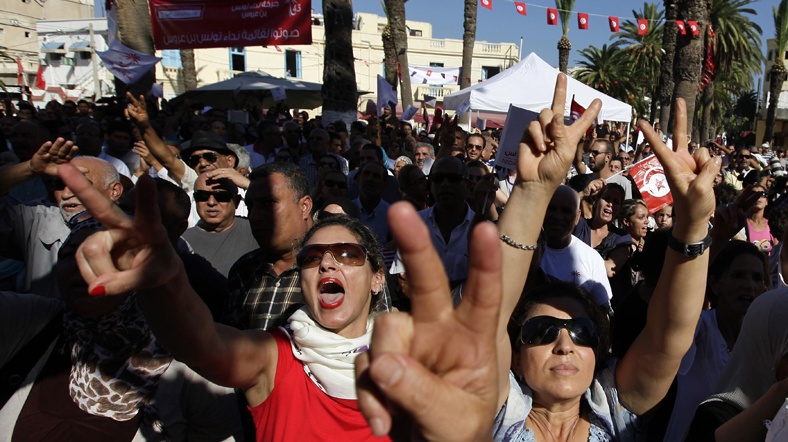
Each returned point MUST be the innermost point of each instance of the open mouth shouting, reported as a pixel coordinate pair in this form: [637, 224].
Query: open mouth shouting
[331, 293]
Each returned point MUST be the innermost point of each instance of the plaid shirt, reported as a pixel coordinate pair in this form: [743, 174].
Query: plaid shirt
[259, 299]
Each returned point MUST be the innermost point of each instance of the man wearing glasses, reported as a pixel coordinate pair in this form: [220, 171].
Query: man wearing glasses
[474, 146]
[599, 158]
[219, 236]
[741, 164]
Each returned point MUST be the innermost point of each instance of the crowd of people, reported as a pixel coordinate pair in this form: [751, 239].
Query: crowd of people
[171, 275]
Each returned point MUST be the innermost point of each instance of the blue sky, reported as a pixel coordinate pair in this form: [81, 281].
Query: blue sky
[503, 24]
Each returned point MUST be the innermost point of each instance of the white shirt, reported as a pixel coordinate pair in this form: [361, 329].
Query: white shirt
[582, 265]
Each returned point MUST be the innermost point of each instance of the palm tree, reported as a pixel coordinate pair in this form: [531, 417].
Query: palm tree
[644, 50]
[689, 56]
[136, 33]
[666, 85]
[339, 72]
[468, 42]
[565, 8]
[188, 69]
[610, 70]
[395, 48]
[778, 73]
[736, 54]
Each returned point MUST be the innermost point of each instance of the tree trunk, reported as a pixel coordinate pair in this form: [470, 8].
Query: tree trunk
[399, 35]
[468, 42]
[666, 85]
[188, 70]
[389, 56]
[564, 46]
[777, 78]
[706, 101]
[689, 56]
[339, 74]
[135, 31]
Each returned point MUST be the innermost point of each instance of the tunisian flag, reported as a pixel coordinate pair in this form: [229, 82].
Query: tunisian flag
[575, 111]
[650, 179]
[487, 4]
[520, 6]
[613, 22]
[682, 28]
[642, 26]
[693, 25]
[552, 16]
[582, 21]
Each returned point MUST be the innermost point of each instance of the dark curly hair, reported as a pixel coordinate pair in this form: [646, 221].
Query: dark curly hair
[565, 290]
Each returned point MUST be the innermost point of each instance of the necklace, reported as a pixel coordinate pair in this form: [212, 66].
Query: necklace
[541, 423]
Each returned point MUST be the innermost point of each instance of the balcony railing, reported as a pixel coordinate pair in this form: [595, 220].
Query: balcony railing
[434, 91]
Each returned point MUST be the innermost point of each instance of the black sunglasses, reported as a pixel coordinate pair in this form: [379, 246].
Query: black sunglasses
[596, 152]
[344, 254]
[194, 159]
[335, 184]
[746, 157]
[221, 196]
[474, 146]
[542, 330]
[452, 178]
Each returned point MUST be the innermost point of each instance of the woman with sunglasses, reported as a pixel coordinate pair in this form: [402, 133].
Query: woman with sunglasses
[298, 381]
[563, 386]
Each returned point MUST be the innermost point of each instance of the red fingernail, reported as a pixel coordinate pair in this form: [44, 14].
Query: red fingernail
[98, 290]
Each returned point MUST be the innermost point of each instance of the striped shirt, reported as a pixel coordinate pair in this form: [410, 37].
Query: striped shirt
[259, 298]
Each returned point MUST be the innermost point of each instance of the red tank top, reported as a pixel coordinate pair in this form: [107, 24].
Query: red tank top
[298, 410]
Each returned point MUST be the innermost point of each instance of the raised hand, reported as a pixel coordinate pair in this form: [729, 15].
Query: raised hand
[438, 365]
[132, 253]
[137, 111]
[548, 145]
[231, 174]
[691, 177]
[47, 158]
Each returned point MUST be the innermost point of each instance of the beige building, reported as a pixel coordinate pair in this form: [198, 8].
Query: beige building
[306, 62]
[781, 120]
[18, 34]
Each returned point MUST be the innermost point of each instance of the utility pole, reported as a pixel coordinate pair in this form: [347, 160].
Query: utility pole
[94, 63]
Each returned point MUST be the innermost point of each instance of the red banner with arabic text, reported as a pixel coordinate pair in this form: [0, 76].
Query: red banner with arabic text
[183, 24]
[652, 183]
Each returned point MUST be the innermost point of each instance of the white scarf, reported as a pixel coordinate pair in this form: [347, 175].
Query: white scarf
[327, 357]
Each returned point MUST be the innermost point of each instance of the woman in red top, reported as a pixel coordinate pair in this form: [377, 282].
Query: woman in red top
[298, 381]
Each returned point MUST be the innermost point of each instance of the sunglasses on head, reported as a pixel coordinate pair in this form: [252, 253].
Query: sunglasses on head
[344, 254]
[543, 330]
[452, 178]
[220, 196]
[194, 159]
[335, 184]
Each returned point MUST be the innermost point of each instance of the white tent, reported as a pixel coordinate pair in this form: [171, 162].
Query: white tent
[529, 85]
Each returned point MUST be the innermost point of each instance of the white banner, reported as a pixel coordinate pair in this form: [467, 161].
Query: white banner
[434, 75]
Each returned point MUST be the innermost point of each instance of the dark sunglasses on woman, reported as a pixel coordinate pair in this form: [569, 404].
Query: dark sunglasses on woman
[344, 254]
[543, 330]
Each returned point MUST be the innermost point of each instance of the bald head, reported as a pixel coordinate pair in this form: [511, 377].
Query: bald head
[101, 174]
[563, 213]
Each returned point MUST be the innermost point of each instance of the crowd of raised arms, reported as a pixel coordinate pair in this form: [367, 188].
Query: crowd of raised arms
[168, 275]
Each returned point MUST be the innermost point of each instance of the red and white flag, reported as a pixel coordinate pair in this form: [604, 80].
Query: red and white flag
[582, 20]
[642, 26]
[125, 63]
[40, 82]
[520, 6]
[575, 112]
[652, 183]
[486, 4]
[613, 22]
[682, 28]
[20, 72]
[693, 25]
[552, 16]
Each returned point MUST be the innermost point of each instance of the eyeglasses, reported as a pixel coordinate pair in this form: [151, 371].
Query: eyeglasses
[194, 159]
[452, 178]
[596, 152]
[474, 146]
[624, 158]
[746, 157]
[344, 254]
[543, 330]
[331, 184]
[220, 196]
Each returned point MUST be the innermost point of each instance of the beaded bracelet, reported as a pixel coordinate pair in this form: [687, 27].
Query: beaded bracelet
[509, 241]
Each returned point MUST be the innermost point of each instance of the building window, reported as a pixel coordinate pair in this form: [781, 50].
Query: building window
[171, 58]
[436, 65]
[381, 27]
[415, 33]
[85, 55]
[238, 59]
[490, 71]
[292, 63]
[27, 34]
